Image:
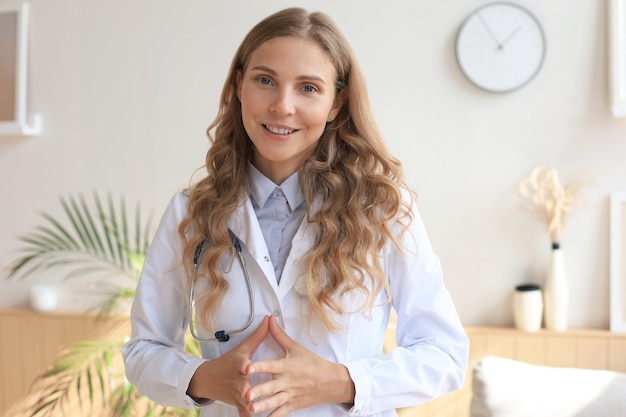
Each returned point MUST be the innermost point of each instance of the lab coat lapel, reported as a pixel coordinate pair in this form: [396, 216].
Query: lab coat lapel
[303, 241]
[244, 224]
[294, 267]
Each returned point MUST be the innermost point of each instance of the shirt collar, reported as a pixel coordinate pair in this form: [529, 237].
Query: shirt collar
[262, 187]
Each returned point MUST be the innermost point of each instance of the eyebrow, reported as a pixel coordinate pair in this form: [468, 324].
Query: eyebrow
[300, 77]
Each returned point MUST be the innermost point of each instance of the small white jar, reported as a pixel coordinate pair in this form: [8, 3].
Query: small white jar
[44, 297]
[528, 307]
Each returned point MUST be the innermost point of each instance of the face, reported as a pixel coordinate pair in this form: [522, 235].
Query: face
[287, 95]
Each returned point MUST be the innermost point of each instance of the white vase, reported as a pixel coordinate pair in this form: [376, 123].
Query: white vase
[556, 292]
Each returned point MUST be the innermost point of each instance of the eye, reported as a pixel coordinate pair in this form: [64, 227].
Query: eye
[264, 80]
[309, 88]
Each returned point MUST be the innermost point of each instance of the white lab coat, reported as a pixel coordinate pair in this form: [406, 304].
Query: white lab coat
[431, 359]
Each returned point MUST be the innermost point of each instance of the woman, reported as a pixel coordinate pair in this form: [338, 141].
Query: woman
[300, 184]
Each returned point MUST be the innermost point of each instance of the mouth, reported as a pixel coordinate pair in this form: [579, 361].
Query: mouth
[279, 130]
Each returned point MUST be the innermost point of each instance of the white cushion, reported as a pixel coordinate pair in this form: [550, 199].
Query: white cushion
[507, 388]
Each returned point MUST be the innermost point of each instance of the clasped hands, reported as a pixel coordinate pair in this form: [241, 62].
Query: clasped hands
[301, 379]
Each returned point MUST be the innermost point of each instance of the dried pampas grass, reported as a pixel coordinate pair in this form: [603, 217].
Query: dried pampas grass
[550, 199]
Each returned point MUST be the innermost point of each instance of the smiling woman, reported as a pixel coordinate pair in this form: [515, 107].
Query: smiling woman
[302, 189]
[288, 95]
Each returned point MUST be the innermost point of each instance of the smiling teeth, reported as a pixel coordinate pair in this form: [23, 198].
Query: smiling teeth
[279, 131]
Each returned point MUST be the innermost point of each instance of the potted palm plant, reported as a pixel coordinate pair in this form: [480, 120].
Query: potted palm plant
[93, 240]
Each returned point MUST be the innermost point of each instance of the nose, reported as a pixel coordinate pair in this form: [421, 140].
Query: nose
[283, 103]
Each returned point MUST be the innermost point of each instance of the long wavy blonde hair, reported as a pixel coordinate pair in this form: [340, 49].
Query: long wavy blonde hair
[354, 180]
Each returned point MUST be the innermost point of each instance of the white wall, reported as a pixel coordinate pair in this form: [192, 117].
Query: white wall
[126, 90]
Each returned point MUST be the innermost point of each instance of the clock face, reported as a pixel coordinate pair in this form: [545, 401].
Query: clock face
[500, 47]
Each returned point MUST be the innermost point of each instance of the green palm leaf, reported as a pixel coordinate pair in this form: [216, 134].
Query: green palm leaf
[92, 239]
[75, 378]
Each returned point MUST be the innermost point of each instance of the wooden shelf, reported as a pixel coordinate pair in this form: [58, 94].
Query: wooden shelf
[544, 332]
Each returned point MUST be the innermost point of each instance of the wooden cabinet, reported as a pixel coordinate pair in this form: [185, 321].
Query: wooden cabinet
[30, 341]
[593, 349]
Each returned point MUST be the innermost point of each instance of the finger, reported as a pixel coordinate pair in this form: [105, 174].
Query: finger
[283, 340]
[243, 411]
[244, 392]
[273, 367]
[286, 344]
[265, 389]
[253, 341]
[269, 403]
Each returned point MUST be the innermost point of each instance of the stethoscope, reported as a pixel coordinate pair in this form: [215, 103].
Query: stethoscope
[221, 335]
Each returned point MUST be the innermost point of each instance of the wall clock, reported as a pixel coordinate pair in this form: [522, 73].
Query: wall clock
[500, 47]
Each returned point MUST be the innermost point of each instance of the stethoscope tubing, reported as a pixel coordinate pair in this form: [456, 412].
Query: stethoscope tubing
[222, 335]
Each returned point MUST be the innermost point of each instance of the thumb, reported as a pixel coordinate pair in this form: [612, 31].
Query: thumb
[253, 341]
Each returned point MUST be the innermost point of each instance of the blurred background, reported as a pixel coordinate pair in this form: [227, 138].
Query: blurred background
[126, 90]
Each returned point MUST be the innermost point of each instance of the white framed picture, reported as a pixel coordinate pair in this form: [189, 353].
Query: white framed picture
[13, 70]
[617, 56]
[617, 261]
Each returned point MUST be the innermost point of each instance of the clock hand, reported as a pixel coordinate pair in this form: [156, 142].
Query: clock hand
[489, 31]
[511, 36]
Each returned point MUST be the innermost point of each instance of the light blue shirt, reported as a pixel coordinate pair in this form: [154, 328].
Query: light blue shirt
[280, 210]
